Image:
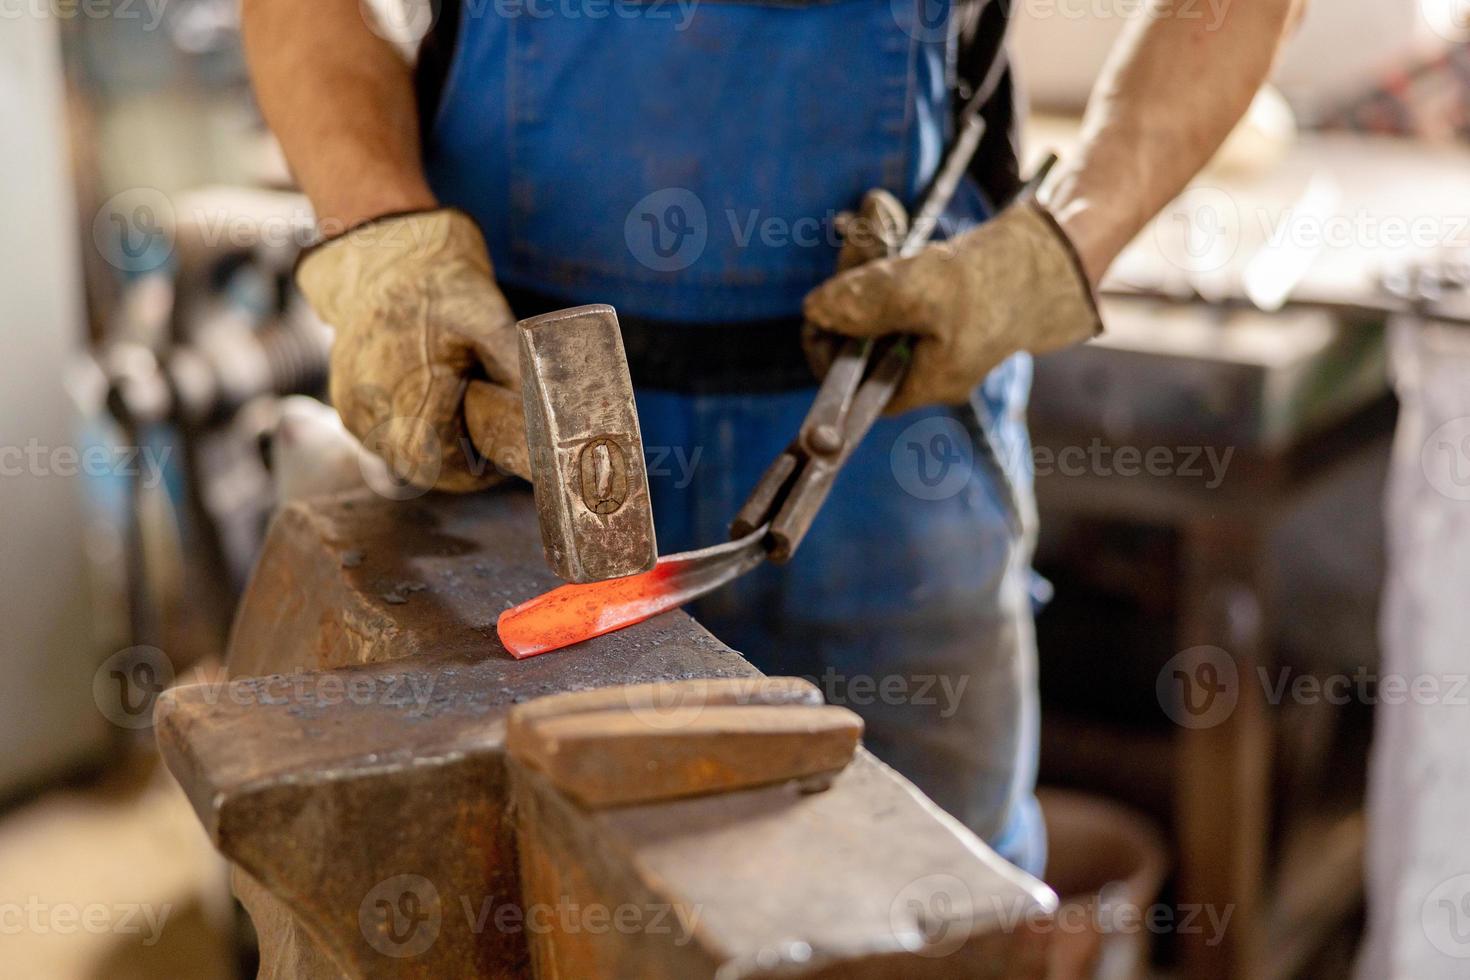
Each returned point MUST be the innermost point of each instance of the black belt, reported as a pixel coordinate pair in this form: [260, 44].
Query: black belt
[746, 356]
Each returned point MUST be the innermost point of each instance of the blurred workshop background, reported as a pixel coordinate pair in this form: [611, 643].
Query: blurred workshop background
[1270, 447]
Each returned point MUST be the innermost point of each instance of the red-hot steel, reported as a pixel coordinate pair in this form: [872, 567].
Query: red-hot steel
[573, 613]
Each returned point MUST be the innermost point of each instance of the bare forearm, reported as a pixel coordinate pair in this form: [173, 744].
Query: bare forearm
[340, 99]
[1179, 80]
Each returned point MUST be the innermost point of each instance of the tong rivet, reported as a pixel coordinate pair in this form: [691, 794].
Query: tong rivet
[826, 440]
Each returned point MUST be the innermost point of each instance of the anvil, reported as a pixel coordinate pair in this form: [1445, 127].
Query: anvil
[354, 772]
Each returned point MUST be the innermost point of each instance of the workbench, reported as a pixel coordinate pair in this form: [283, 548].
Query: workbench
[1289, 399]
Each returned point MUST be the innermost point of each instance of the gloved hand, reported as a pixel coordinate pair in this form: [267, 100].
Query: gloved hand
[1014, 283]
[425, 366]
[875, 231]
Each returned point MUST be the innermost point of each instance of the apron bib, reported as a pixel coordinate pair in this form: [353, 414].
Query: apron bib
[683, 163]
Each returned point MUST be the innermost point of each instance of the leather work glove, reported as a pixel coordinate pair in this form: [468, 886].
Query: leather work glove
[875, 231]
[1014, 283]
[425, 366]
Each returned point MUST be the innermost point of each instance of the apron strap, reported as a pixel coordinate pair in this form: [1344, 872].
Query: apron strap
[982, 28]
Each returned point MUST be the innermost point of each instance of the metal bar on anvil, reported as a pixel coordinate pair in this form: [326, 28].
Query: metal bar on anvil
[367, 811]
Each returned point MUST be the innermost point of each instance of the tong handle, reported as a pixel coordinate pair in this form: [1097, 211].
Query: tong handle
[821, 431]
[820, 439]
[814, 482]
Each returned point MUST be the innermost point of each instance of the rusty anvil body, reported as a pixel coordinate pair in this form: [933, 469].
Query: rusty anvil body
[354, 772]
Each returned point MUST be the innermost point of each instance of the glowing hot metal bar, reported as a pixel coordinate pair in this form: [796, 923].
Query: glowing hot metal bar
[573, 613]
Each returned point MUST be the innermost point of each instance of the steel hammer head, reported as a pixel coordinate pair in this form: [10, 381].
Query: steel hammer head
[586, 451]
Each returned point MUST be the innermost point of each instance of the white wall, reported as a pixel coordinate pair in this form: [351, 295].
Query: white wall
[1060, 44]
[47, 659]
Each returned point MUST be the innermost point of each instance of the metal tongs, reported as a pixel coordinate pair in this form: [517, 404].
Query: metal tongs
[796, 484]
[859, 384]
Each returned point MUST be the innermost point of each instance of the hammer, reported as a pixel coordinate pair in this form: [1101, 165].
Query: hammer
[585, 449]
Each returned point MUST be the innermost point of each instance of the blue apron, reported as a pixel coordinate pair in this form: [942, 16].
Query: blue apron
[685, 164]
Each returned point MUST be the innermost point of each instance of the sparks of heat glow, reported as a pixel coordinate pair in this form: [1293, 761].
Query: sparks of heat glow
[573, 613]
